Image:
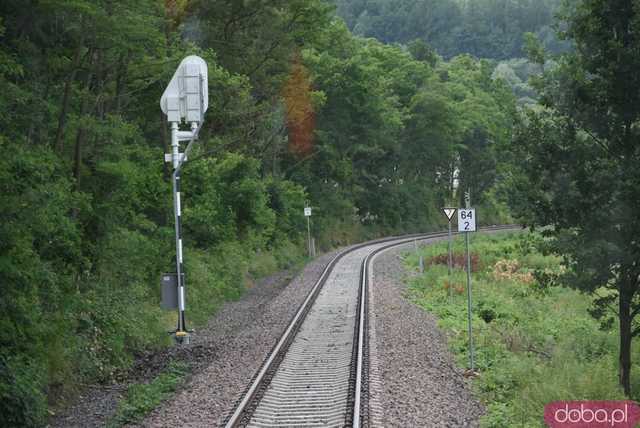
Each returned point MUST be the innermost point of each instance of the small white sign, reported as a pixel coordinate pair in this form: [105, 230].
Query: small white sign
[307, 212]
[466, 220]
[449, 212]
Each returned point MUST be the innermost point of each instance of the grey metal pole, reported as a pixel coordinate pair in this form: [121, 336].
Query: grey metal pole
[419, 256]
[450, 264]
[309, 236]
[469, 306]
[469, 302]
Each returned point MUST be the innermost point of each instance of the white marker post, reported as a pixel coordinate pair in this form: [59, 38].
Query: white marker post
[419, 256]
[449, 213]
[307, 214]
[467, 224]
[186, 98]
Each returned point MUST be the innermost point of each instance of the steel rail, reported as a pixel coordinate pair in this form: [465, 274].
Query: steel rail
[363, 322]
[240, 416]
[236, 417]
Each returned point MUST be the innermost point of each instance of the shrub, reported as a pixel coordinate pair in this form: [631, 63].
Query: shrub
[22, 401]
[143, 397]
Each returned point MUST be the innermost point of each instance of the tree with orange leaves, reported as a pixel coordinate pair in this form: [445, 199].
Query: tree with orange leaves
[300, 114]
[175, 11]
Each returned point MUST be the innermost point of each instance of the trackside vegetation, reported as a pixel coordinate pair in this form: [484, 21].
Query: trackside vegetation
[574, 171]
[141, 398]
[535, 340]
[376, 134]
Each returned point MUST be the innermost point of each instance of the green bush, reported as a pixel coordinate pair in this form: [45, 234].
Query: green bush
[22, 401]
[228, 200]
[493, 209]
[118, 314]
[286, 199]
[143, 397]
[289, 255]
[40, 251]
[80, 278]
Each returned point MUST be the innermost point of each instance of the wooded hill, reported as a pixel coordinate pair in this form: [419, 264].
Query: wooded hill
[482, 28]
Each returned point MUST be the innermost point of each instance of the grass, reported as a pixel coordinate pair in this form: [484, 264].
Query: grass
[535, 341]
[142, 398]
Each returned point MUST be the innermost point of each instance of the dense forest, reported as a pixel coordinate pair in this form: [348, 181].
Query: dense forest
[374, 136]
[482, 28]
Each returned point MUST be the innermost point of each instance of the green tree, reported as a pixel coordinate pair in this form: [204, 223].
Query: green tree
[577, 161]
[484, 109]
[421, 51]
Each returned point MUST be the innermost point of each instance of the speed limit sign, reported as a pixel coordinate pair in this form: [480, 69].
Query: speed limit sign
[466, 220]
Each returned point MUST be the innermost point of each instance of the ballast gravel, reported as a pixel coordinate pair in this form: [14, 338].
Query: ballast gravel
[238, 339]
[416, 382]
[420, 384]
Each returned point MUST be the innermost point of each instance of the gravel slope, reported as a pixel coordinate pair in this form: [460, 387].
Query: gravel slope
[419, 382]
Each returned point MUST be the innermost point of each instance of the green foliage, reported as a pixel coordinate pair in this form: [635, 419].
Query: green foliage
[230, 201]
[22, 402]
[119, 313]
[213, 277]
[575, 159]
[141, 398]
[39, 251]
[393, 132]
[483, 28]
[516, 74]
[128, 189]
[266, 33]
[531, 348]
[421, 51]
[86, 226]
[493, 208]
[286, 199]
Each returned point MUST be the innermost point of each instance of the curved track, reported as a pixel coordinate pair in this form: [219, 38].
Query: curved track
[316, 374]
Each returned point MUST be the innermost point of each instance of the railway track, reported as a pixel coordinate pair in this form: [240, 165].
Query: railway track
[316, 375]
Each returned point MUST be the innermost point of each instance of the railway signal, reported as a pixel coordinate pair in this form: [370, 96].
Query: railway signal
[185, 99]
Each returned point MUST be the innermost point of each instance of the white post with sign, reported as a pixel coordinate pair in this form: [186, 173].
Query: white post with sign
[467, 224]
[307, 214]
[186, 98]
